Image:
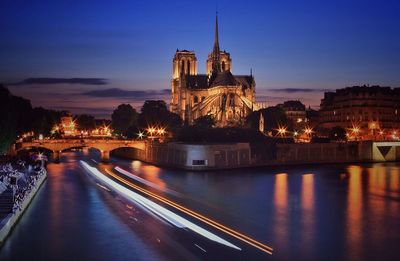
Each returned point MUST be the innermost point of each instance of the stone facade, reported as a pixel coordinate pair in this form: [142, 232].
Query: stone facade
[370, 108]
[226, 97]
[295, 112]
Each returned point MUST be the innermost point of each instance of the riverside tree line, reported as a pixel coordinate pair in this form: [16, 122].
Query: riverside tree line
[18, 117]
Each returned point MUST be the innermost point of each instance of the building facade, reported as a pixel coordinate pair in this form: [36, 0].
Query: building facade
[226, 97]
[295, 112]
[369, 109]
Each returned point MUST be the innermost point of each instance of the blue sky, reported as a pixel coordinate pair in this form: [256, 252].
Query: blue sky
[290, 45]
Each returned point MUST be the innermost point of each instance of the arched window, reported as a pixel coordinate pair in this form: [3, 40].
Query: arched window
[183, 67]
[230, 115]
[188, 67]
[195, 99]
[232, 99]
[203, 98]
[223, 66]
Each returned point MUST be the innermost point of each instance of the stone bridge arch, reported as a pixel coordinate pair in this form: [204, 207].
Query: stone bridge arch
[58, 146]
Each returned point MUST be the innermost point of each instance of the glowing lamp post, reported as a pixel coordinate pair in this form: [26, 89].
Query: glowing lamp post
[282, 131]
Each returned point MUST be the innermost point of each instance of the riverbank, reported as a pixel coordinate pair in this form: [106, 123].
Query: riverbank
[222, 156]
[21, 204]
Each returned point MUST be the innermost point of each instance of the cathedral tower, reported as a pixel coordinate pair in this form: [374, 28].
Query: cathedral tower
[218, 61]
[184, 63]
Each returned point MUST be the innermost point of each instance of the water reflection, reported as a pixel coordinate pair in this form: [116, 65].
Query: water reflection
[136, 165]
[152, 174]
[354, 210]
[307, 192]
[306, 212]
[308, 215]
[281, 190]
[281, 218]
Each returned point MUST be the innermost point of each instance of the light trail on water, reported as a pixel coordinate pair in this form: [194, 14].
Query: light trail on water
[198, 216]
[160, 211]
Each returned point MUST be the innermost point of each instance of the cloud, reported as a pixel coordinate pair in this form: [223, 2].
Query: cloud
[295, 90]
[45, 80]
[120, 93]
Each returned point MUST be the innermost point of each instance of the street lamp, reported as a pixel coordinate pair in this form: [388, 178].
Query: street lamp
[308, 130]
[282, 131]
[140, 135]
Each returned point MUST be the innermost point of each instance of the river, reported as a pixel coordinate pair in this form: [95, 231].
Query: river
[313, 212]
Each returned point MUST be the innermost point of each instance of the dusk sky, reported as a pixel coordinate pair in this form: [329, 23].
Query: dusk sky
[122, 50]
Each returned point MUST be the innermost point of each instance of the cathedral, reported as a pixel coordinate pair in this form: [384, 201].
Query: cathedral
[226, 97]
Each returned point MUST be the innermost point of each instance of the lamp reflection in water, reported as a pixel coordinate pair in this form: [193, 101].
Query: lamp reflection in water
[394, 180]
[136, 165]
[308, 213]
[281, 217]
[152, 174]
[383, 186]
[354, 211]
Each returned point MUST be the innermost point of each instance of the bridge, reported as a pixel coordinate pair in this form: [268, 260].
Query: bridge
[60, 145]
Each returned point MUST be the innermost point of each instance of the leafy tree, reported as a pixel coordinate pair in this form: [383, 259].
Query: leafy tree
[86, 122]
[15, 118]
[156, 113]
[123, 117]
[43, 120]
[337, 133]
[132, 132]
[205, 122]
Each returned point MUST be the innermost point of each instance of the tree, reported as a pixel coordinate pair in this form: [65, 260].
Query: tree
[337, 133]
[123, 117]
[15, 118]
[204, 122]
[43, 120]
[86, 122]
[156, 113]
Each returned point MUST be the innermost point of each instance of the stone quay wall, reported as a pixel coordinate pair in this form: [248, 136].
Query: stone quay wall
[239, 155]
[8, 223]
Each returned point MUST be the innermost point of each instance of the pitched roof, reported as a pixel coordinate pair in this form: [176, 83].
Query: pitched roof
[223, 79]
[196, 81]
[245, 80]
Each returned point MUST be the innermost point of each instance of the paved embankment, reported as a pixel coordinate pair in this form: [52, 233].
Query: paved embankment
[8, 223]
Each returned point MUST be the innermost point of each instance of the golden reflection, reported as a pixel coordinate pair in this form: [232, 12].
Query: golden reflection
[281, 190]
[136, 165]
[377, 180]
[308, 214]
[394, 191]
[307, 191]
[152, 174]
[394, 180]
[281, 217]
[354, 209]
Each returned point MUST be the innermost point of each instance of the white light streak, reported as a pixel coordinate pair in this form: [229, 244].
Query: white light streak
[160, 211]
[146, 182]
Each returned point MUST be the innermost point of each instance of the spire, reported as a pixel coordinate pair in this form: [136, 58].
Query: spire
[216, 42]
[215, 54]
